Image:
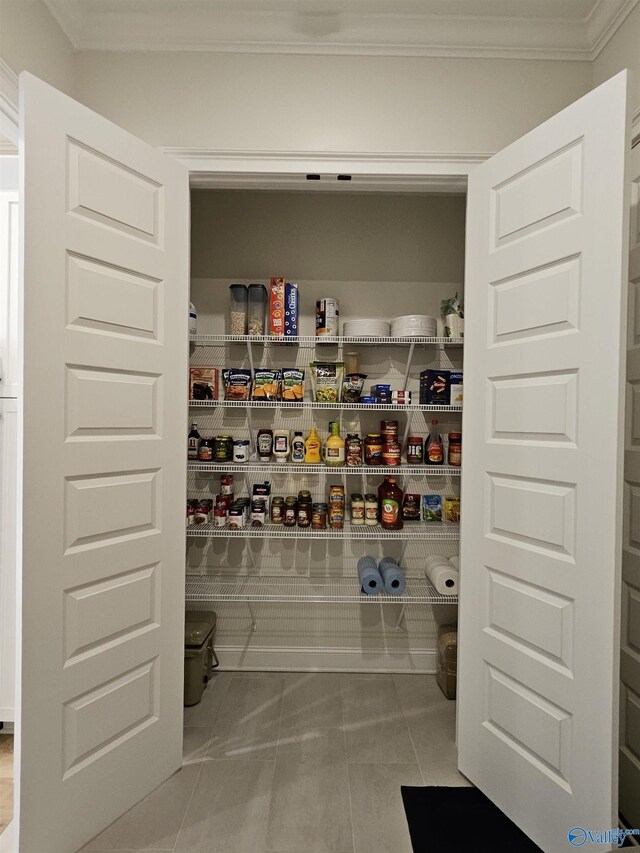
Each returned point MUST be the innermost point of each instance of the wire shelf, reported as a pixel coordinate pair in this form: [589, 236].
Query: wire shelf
[306, 590]
[293, 468]
[306, 341]
[412, 531]
[307, 404]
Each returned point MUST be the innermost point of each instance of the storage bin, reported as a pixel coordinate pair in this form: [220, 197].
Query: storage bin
[238, 303]
[258, 299]
[199, 654]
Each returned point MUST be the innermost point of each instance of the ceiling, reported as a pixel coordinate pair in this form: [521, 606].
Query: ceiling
[523, 29]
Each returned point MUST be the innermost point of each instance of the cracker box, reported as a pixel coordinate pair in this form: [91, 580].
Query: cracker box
[452, 509]
[431, 508]
[434, 387]
[277, 307]
[455, 388]
[203, 383]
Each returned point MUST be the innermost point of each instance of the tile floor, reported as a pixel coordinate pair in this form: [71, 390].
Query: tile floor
[6, 779]
[296, 763]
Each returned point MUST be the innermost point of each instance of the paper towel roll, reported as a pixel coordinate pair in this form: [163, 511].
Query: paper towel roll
[392, 577]
[455, 561]
[442, 575]
[370, 578]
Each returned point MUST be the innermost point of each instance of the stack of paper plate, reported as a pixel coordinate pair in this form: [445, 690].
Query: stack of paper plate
[414, 326]
[366, 328]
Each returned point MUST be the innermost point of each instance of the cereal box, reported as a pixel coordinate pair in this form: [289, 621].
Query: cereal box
[203, 383]
[277, 307]
[291, 310]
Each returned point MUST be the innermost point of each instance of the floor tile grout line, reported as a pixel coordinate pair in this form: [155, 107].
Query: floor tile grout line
[275, 761]
[347, 766]
[404, 717]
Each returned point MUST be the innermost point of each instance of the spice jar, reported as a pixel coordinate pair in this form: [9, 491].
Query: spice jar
[319, 516]
[371, 510]
[415, 450]
[277, 510]
[290, 517]
[353, 450]
[373, 449]
[357, 509]
[455, 448]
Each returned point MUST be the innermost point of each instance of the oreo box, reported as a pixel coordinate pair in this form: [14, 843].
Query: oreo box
[290, 310]
[435, 388]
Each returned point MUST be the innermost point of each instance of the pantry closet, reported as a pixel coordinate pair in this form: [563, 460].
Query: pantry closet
[106, 358]
[380, 255]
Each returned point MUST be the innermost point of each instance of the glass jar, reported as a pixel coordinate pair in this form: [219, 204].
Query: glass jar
[223, 448]
[319, 516]
[415, 450]
[206, 450]
[357, 509]
[277, 510]
[371, 510]
[305, 511]
[257, 313]
[238, 301]
[290, 516]
[373, 449]
[455, 449]
[353, 450]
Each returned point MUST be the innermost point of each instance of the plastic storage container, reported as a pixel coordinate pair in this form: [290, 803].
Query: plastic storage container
[238, 302]
[199, 654]
[258, 299]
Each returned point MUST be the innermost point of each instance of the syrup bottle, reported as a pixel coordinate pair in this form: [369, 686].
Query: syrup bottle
[433, 450]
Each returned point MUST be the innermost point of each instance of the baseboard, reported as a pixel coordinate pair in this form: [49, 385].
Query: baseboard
[325, 660]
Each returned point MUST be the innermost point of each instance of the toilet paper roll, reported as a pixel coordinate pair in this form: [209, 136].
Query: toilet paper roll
[392, 577]
[370, 578]
[442, 575]
[455, 561]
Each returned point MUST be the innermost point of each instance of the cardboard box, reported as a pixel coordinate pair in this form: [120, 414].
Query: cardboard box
[452, 509]
[291, 310]
[203, 383]
[435, 387]
[276, 307]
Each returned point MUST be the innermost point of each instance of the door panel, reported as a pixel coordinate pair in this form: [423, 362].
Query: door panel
[539, 626]
[105, 359]
[8, 500]
[630, 641]
[8, 292]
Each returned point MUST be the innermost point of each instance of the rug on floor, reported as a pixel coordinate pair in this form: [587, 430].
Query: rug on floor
[448, 820]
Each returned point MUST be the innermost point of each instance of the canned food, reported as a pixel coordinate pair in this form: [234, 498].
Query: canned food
[191, 511]
[202, 513]
[327, 317]
[391, 454]
[226, 484]
[220, 515]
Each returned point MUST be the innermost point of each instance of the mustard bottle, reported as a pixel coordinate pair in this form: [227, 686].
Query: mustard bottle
[312, 448]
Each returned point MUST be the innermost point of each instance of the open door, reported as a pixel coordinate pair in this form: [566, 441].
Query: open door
[105, 222]
[547, 236]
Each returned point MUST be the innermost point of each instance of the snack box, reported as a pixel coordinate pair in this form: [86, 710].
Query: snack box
[435, 387]
[431, 508]
[290, 310]
[452, 509]
[276, 307]
[203, 383]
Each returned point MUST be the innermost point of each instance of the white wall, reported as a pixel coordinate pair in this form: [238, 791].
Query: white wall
[622, 51]
[31, 40]
[333, 103]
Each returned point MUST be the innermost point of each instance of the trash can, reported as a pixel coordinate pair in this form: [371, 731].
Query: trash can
[199, 654]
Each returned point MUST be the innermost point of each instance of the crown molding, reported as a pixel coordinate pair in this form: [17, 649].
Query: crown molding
[116, 25]
[8, 108]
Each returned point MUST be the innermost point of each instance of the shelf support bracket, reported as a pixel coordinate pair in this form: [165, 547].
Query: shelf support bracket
[400, 617]
[407, 370]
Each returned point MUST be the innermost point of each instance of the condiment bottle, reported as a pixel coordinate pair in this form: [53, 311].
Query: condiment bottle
[281, 444]
[312, 448]
[193, 442]
[335, 446]
[265, 444]
[433, 451]
[391, 505]
[297, 447]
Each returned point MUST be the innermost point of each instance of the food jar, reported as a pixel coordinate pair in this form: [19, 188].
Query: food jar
[353, 450]
[373, 449]
[357, 509]
[455, 448]
[238, 301]
[319, 516]
[206, 451]
[290, 516]
[241, 451]
[257, 313]
[305, 511]
[258, 513]
[277, 510]
[371, 510]
[223, 448]
[415, 450]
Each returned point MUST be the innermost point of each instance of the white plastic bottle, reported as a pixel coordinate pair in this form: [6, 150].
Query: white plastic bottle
[193, 319]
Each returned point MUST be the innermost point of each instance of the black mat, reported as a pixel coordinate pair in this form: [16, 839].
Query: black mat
[458, 820]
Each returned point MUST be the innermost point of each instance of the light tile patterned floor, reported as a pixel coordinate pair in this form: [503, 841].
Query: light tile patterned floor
[6, 780]
[296, 763]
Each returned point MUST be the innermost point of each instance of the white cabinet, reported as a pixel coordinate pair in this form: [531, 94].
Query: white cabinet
[8, 291]
[8, 516]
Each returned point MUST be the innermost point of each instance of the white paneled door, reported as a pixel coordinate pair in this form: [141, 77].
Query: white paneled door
[546, 260]
[105, 222]
[630, 641]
